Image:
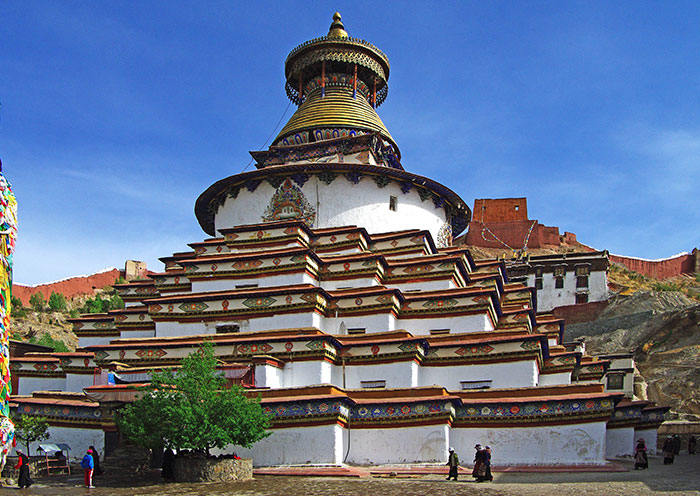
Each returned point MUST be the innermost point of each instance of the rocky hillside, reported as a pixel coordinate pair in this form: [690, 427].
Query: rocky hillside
[39, 324]
[662, 329]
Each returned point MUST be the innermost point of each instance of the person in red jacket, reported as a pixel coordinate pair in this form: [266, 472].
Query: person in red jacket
[24, 480]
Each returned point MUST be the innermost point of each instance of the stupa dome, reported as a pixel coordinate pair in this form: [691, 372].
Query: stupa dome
[337, 81]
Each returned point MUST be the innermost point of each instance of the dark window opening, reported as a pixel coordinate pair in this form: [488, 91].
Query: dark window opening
[246, 286]
[373, 384]
[559, 282]
[582, 271]
[582, 282]
[476, 384]
[227, 328]
[393, 202]
[538, 283]
[581, 297]
[356, 330]
[438, 332]
[616, 381]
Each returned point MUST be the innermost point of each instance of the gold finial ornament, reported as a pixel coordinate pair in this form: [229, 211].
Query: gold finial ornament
[337, 29]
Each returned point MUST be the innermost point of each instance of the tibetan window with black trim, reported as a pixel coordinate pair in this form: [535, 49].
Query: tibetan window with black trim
[438, 332]
[559, 282]
[373, 384]
[393, 203]
[227, 328]
[356, 330]
[486, 384]
[581, 298]
[616, 381]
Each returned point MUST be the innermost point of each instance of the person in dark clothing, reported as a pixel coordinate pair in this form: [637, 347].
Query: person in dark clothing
[168, 466]
[640, 455]
[667, 450]
[453, 462]
[487, 463]
[479, 472]
[24, 480]
[691, 445]
[96, 459]
[676, 444]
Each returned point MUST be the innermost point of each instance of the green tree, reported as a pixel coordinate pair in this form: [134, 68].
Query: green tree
[191, 408]
[18, 308]
[115, 302]
[94, 305]
[57, 302]
[31, 429]
[37, 302]
[47, 340]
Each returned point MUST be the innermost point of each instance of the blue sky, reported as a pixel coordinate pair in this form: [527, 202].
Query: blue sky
[116, 115]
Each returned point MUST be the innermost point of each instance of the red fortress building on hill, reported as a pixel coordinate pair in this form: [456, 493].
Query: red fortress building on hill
[80, 285]
[504, 221]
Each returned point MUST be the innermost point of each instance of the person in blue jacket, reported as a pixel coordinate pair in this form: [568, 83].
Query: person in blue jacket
[88, 465]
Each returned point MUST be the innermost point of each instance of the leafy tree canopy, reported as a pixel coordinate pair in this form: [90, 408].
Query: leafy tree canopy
[30, 429]
[57, 302]
[37, 302]
[191, 408]
[98, 304]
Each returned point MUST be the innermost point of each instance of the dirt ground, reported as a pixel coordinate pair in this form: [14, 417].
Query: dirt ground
[681, 478]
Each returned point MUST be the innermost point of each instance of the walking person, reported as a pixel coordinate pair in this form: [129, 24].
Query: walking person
[96, 459]
[88, 464]
[691, 445]
[453, 462]
[640, 455]
[24, 480]
[487, 463]
[667, 451]
[676, 444]
[479, 472]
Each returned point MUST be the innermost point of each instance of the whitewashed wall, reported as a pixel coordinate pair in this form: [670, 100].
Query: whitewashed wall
[378, 322]
[78, 439]
[360, 282]
[419, 444]
[262, 282]
[76, 382]
[503, 374]
[341, 204]
[544, 445]
[396, 375]
[316, 445]
[436, 285]
[298, 374]
[27, 385]
[555, 379]
[84, 342]
[268, 376]
[550, 297]
[281, 321]
[462, 323]
[619, 442]
[137, 334]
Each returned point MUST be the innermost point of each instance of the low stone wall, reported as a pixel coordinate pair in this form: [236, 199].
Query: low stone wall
[191, 469]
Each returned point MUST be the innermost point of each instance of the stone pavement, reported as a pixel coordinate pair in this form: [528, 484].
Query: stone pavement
[681, 478]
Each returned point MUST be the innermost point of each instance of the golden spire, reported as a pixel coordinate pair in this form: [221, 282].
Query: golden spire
[337, 29]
